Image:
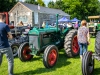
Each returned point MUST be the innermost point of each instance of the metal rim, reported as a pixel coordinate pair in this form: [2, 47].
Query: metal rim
[52, 57]
[26, 52]
[75, 46]
[91, 64]
[15, 50]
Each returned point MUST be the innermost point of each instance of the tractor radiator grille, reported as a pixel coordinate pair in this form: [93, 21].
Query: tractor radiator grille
[33, 41]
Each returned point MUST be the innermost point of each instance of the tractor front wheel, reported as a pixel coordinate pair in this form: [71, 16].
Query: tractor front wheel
[71, 46]
[24, 52]
[50, 56]
[87, 63]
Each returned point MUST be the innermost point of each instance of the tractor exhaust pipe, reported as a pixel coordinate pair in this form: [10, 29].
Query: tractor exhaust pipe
[57, 21]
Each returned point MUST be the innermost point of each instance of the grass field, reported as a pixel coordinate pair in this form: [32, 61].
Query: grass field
[64, 66]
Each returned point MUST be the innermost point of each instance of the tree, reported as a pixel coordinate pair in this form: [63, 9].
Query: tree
[12, 3]
[81, 8]
[51, 4]
[98, 9]
[92, 7]
[58, 4]
[6, 5]
[41, 3]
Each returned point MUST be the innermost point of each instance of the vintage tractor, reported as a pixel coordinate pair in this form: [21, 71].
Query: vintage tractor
[89, 56]
[49, 40]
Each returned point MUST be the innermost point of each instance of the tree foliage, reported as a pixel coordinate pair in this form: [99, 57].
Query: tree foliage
[81, 8]
[41, 3]
[51, 4]
[58, 4]
[6, 5]
[98, 9]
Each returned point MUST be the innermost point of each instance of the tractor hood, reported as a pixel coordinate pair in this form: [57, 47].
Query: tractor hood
[37, 31]
[40, 37]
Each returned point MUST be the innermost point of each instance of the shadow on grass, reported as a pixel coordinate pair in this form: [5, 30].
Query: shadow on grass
[33, 59]
[36, 58]
[96, 71]
[65, 55]
[62, 61]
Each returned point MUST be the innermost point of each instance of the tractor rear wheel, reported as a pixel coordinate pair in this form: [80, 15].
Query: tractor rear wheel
[50, 56]
[15, 47]
[87, 63]
[97, 43]
[71, 46]
[24, 52]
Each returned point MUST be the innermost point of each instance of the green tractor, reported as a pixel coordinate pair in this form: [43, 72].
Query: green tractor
[49, 40]
[89, 56]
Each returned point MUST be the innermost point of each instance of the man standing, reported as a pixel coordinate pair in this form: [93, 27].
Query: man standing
[5, 48]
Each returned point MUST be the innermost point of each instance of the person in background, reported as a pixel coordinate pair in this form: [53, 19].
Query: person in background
[76, 25]
[21, 23]
[69, 25]
[5, 48]
[43, 25]
[83, 38]
[29, 26]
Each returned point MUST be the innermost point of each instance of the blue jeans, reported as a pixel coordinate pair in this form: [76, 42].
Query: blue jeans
[83, 47]
[9, 55]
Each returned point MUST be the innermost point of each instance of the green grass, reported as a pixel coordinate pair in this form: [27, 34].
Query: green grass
[64, 66]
